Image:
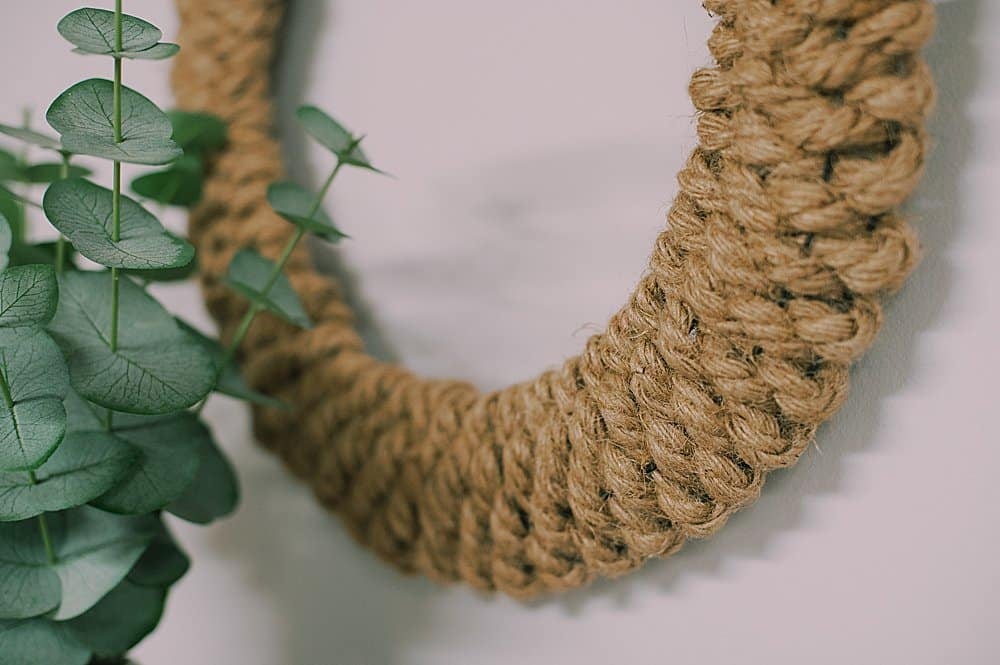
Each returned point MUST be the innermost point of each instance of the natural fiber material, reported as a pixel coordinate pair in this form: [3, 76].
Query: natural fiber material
[733, 348]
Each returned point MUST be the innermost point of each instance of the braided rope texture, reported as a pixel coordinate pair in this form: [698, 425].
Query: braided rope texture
[733, 348]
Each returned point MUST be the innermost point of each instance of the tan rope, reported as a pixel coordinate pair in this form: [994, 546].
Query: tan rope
[732, 349]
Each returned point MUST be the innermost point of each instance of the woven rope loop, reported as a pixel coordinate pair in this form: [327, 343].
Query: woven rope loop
[734, 347]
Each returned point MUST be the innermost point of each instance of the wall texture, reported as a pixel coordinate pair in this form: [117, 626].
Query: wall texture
[535, 146]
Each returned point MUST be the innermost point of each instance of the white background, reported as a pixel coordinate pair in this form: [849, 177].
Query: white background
[535, 145]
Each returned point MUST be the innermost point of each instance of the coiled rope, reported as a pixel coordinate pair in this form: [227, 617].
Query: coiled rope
[733, 348]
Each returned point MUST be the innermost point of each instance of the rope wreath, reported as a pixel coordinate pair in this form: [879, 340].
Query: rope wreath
[733, 348]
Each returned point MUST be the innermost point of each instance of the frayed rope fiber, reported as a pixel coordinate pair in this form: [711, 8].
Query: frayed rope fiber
[733, 348]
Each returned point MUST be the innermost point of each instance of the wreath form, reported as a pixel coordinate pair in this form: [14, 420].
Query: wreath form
[733, 348]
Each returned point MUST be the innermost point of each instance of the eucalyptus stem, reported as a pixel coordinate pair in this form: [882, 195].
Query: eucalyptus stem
[43, 526]
[279, 266]
[117, 189]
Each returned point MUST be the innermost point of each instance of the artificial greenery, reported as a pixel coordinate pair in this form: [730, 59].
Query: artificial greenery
[101, 388]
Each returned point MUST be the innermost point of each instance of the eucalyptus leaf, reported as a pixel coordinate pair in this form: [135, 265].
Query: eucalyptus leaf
[169, 457]
[93, 31]
[120, 620]
[28, 295]
[83, 467]
[81, 415]
[42, 252]
[230, 382]
[84, 116]
[93, 551]
[160, 51]
[11, 167]
[157, 368]
[33, 382]
[173, 186]
[198, 133]
[249, 274]
[13, 212]
[167, 274]
[332, 135]
[28, 586]
[298, 206]
[214, 493]
[82, 211]
[40, 641]
[162, 564]
[50, 172]
[32, 137]
[6, 240]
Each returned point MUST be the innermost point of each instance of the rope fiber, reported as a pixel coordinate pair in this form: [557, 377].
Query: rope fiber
[733, 348]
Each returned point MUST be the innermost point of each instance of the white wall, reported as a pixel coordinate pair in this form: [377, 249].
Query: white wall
[535, 145]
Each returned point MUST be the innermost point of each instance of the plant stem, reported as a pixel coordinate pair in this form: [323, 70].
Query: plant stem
[117, 189]
[61, 242]
[43, 526]
[279, 266]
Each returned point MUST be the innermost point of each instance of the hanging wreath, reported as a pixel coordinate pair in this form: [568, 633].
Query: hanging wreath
[733, 348]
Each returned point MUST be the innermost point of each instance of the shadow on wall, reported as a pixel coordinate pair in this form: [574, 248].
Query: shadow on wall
[327, 605]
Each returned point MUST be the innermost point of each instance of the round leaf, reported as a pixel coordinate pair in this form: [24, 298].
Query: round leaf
[82, 211]
[249, 273]
[157, 367]
[40, 641]
[331, 134]
[296, 205]
[162, 564]
[160, 51]
[198, 132]
[174, 186]
[50, 172]
[84, 116]
[28, 586]
[169, 450]
[6, 239]
[214, 492]
[28, 295]
[83, 467]
[93, 31]
[34, 382]
[94, 551]
[32, 137]
[121, 620]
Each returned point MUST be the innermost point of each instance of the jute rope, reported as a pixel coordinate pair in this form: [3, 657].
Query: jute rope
[733, 348]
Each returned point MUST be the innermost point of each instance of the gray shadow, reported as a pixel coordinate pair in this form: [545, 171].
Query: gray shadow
[936, 211]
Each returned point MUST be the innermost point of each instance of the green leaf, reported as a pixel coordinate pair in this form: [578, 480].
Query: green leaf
[50, 172]
[13, 211]
[33, 381]
[93, 31]
[41, 252]
[160, 51]
[169, 450]
[82, 211]
[40, 641]
[167, 274]
[298, 206]
[81, 415]
[174, 186]
[215, 490]
[28, 586]
[32, 137]
[6, 240]
[248, 275]
[84, 116]
[11, 167]
[230, 381]
[83, 467]
[120, 620]
[331, 134]
[28, 295]
[198, 133]
[162, 564]
[157, 368]
[94, 551]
